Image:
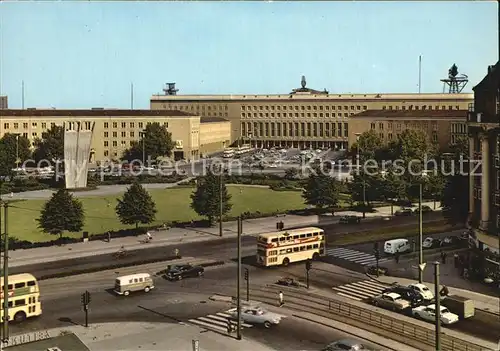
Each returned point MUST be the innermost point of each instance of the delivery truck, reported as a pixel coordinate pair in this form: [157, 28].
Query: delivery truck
[461, 306]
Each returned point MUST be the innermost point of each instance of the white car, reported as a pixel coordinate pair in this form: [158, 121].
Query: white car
[428, 243]
[257, 315]
[428, 313]
[423, 290]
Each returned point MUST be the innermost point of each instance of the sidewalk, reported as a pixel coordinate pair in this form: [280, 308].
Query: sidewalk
[176, 236]
[127, 336]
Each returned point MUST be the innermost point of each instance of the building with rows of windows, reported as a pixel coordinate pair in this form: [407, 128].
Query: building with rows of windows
[442, 126]
[304, 117]
[114, 130]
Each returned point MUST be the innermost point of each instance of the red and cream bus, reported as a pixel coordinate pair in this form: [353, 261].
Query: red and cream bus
[287, 246]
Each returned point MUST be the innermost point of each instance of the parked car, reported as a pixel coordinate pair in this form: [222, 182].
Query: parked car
[288, 282]
[425, 209]
[408, 294]
[391, 301]
[423, 290]
[349, 219]
[257, 315]
[404, 212]
[178, 272]
[428, 313]
[430, 243]
[381, 270]
[345, 344]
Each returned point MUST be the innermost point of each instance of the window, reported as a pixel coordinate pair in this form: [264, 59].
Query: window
[124, 125]
[106, 134]
[106, 153]
[372, 125]
[16, 125]
[106, 144]
[34, 124]
[132, 125]
[6, 125]
[25, 125]
[115, 134]
[115, 143]
[124, 134]
[106, 125]
[31, 283]
[115, 125]
[44, 125]
[19, 285]
[20, 302]
[132, 134]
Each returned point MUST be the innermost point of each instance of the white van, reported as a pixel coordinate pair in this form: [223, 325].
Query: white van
[397, 245]
[133, 282]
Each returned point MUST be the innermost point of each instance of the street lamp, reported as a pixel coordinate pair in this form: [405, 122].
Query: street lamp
[421, 264]
[142, 134]
[18, 161]
[358, 167]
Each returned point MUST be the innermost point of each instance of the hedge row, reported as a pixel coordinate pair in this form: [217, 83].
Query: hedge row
[117, 265]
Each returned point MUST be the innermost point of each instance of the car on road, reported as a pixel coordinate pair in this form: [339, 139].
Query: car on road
[126, 284]
[425, 209]
[178, 272]
[351, 219]
[430, 243]
[288, 282]
[404, 212]
[391, 301]
[428, 313]
[414, 297]
[257, 315]
[345, 344]
[422, 289]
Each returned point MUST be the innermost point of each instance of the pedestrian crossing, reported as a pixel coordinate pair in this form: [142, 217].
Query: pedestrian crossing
[360, 290]
[362, 258]
[216, 321]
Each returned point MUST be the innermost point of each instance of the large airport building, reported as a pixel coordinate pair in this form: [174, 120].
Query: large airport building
[205, 124]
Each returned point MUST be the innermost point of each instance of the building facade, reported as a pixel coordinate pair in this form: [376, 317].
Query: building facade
[484, 183]
[114, 130]
[303, 117]
[442, 126]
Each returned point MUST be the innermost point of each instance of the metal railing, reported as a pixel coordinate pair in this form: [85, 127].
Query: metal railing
[320, 304]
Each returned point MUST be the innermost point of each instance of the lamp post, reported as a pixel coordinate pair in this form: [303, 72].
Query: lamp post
[358, 167]
[17, 152]
[421, 265]
[142, 134]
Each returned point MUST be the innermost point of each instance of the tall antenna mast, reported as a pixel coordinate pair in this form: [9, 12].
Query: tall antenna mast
[132, 95]
[22, 93]
[420, 73]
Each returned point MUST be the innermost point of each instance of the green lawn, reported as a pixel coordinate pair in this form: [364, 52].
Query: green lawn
[172, 205]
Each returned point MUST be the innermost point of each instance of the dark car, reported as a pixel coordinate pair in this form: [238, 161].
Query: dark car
[349, 219]
[404, 212]
[345, 344]
[288, 282]
[178, 272]
[408, 294]
[425, 209]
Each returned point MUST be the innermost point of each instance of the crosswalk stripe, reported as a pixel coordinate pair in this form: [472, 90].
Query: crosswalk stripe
[368, 288]
[350, 290]
[349, 296]
[207, 325]
[355, 256]
[375, 284]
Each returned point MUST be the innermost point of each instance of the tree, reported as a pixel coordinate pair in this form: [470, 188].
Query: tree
[413, 144]
[455, 199]
[433, 186]
[61, 213]
[136, 206]
[370, 145]
[393, 187]
[13, 146]
[205, 199]
[291, 173]
[321, 190]
[366, 187]
[156, 142]
[51, 146]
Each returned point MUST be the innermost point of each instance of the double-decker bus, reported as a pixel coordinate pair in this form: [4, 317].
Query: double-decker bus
[284, 247]
[24, 297]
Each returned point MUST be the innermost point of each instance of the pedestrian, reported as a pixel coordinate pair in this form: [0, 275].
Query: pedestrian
[455, 260]
[229, 326]
[444, 291]
[396, 257]
[109, 237]
[281, 299]
[444, 257]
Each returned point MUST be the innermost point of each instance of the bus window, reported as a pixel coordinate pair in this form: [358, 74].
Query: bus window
[19, 285]
[302, 248]
[315, 234]
[288, 250]
[315, 246]
[309, 247]
[20, 302]
[295, 249]
[10, 304]
[31, 283]
[282, 251]
[309, 235]
[302, 236]
[273, 253]
[295, 237]
[275, 240]
[282, 238]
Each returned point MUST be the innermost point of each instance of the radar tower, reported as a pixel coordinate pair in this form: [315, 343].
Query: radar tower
[455, 82]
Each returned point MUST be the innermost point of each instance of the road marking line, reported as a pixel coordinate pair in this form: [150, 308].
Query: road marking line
[368, 288]
[349, 296]
[207, 325]
[363, 293]
[352, 292]
[375, 284]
